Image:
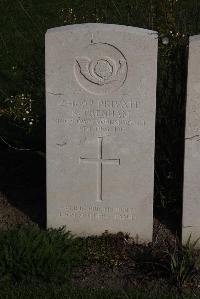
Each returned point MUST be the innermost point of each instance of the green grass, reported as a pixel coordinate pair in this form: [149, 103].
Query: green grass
[31, 253]
[185, 263]
[52, 291]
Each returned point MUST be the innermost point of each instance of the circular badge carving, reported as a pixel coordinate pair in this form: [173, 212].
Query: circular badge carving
[102, 68]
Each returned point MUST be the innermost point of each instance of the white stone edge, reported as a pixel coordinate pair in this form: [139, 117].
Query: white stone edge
[194, 37]
[104, 27]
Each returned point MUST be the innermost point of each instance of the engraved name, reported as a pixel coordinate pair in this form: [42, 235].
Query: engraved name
[100, 116]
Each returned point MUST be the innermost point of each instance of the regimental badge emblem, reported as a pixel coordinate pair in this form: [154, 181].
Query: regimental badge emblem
[102, 68]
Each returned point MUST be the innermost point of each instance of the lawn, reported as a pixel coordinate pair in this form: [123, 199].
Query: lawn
[54, 291]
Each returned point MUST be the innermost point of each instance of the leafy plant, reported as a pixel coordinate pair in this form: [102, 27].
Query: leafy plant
[185, 263]
[107, 249]
[29, 252]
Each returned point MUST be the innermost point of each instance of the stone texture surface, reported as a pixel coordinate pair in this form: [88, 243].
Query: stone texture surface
[191, 200]
[101, 102]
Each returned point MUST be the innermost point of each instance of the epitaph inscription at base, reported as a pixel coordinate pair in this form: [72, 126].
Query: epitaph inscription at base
[100, 99]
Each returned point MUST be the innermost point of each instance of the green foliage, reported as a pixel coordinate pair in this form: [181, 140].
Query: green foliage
[53, 291]
[185, 263]
[23, 25]
[20, 109]
[106, 249]
[45, 260]
[30, 253]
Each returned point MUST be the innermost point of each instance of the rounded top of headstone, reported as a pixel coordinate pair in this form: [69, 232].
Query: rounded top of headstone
[104, 27]
[194, 38]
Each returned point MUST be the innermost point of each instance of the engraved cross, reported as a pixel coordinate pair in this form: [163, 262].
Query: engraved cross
[99, 161]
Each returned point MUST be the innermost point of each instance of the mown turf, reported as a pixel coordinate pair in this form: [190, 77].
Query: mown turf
[52, 291]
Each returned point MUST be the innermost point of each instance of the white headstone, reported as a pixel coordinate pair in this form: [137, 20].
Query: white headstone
[101, 101]
[191, 200]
